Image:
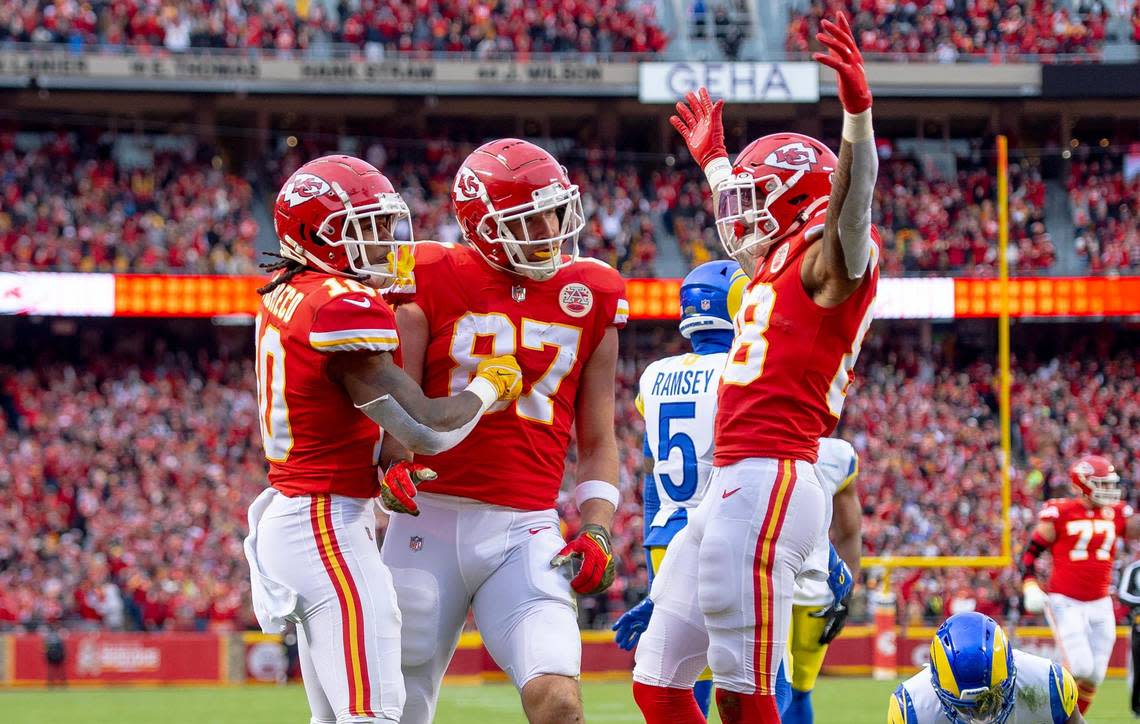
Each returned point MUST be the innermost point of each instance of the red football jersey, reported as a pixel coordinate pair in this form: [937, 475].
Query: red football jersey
[516, 454]
[791, 361]
[1085, 546]
[315, 439]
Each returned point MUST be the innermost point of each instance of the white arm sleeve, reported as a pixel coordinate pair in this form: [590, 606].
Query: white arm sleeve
[855, 216]
[417, 437]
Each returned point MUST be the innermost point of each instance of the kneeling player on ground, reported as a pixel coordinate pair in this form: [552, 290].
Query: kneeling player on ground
[975, 677]
[328, 373]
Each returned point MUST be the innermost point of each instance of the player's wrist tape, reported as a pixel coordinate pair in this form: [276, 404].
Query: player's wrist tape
[485, 390]
[596, 489]
[717, 171]
[857, 127]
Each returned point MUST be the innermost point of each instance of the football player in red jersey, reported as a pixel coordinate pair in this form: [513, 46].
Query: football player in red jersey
[489, 537]
[798, 219]
[328, 374]
[1081, 533]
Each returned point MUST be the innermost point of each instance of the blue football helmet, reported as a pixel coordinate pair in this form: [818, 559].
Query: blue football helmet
[710, 296]
[972, 670]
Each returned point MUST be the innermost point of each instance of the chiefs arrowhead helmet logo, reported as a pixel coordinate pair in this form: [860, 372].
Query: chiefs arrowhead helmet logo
[468, 187]
[302, 187]
[792, 157]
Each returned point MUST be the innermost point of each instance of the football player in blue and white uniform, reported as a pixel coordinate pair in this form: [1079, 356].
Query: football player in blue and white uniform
[820, 608]
[976, 677]
[677, 398]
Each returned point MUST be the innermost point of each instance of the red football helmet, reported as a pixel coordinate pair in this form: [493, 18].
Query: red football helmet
[778, 183]
[517, 207]
[339, 214]
[1097, 480]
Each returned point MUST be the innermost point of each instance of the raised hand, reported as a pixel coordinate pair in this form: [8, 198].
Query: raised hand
[844, 58]
[698, 120]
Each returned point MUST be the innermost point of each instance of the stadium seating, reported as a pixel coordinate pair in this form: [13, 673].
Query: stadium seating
[1106, 214]
[103, 201]
[106, 202]
[124, 503]
[372, 26]
[998, 30]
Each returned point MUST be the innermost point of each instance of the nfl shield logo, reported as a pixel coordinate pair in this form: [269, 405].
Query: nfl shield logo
[518, 293]
[705, 305]
[416, 543]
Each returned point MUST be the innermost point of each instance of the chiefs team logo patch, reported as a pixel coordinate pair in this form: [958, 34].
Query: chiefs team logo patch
[576, 299]
[796, 156]
[303, 187]
[779, 258]
[468, 187]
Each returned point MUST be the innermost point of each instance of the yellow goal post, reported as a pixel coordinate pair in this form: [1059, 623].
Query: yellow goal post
[1005, 558]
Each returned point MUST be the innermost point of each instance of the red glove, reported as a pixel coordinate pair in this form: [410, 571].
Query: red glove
[398, 488]
[590, 560]
[845, 59]
[700, 124]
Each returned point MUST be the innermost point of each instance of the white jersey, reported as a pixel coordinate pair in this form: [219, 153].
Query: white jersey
[677, 397]
[836, 466]
[1045, 693]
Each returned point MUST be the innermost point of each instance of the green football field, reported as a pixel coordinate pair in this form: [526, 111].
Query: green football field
[847, 701]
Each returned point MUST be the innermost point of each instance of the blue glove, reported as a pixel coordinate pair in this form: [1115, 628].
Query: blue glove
[839, 578]
[840, 581]
[632, 624]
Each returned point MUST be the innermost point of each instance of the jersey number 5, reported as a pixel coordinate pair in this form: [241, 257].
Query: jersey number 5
[479, 336]
[272, 409]
[666, 442]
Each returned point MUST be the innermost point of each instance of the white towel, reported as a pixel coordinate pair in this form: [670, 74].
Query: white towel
[273, 603]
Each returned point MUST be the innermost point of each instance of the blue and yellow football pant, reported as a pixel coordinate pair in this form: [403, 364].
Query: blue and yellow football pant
[702, 690]
[807, 651]
[806, 654]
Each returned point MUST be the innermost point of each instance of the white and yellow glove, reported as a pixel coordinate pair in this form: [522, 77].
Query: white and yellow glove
[504, 373]
[1032, 597]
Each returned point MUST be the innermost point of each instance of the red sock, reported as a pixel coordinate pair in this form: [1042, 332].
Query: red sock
[662, 705]
[747, 708]
[1084, 697]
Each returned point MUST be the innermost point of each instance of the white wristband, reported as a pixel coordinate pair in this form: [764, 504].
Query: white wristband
[857, 127]
[485, 390]
[594, 489]
[717, 171]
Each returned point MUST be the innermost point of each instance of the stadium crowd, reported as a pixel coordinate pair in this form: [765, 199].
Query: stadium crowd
[930, 223]
[126, 476]
[1106, 214]
[925, 428]
[371, 27]
[99, 202]
[105, 201]
[998, 29]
